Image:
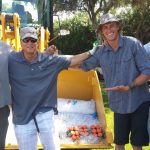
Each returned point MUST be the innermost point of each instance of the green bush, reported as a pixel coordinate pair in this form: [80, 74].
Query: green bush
[81, 35]
[137, 24]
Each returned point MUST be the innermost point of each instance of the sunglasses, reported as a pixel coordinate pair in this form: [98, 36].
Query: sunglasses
[26, 40]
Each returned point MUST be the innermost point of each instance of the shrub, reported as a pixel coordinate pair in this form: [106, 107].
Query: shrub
[81, 35]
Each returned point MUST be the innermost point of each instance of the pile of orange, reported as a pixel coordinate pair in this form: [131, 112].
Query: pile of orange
[97, 130]
[73, 133]
[76, 132]
[83, 130]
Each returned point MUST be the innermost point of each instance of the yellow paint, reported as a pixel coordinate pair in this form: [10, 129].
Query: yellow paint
[9, 32]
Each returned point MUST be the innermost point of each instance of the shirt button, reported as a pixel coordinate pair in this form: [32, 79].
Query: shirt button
[32, 69]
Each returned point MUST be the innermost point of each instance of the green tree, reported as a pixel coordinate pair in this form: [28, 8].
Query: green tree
[92, 7]
[137, 20]
[137, 24]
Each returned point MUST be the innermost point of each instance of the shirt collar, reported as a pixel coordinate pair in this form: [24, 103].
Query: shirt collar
[120, 44]
[20, 57]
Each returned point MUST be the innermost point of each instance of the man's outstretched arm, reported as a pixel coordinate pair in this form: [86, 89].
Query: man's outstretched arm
[141, 79]
[78, 59]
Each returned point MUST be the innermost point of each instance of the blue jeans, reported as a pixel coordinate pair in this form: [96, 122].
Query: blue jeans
[27, 134]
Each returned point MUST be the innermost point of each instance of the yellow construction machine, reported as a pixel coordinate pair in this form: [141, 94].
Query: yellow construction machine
[18, 13]
[72, 84]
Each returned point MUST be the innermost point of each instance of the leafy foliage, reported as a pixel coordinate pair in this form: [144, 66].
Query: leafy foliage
[80, 38]
[137, 23]
[92, 7]
[67, 5]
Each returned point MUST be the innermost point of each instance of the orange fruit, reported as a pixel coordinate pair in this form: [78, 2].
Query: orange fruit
[100, 134]
[85, 129]
[92, 126]
[86, 133]
[93, 130]
[72, 132]
[95, 135]
[76, 133]
[74, 137]
[99, 130]
[77, 138]
[81, 130]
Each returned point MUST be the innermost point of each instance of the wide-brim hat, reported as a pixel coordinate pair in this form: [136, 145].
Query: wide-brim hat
[106, 18]
[30, 32]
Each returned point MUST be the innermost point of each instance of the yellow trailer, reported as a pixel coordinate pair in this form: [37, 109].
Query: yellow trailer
[80, 85]
[77, 84]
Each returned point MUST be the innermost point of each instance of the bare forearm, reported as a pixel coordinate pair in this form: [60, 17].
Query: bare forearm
[141, 79]
[77, 59]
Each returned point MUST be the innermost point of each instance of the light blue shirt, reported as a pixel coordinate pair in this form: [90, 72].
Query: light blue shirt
[5, 96]
[121, 67]
[147, 47]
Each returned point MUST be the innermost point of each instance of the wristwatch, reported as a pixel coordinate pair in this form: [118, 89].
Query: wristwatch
[132, 85]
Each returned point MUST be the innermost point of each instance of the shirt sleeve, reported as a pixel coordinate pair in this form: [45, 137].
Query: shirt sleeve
[90, 63]
[147, 48]
[62, 63]
[141, 58]
[6, 47]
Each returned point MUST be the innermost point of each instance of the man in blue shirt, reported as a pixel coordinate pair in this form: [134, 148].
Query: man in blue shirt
[126, 69]
[33, 80]
[5, 97]
[147, 47]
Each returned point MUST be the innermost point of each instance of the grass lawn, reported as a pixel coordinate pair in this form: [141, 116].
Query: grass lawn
[109, 116]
